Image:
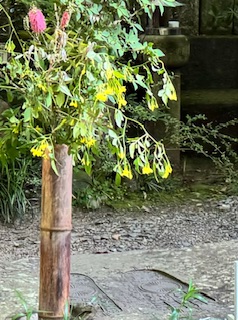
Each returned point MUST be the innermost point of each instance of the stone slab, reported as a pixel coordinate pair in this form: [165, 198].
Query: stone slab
[151, 292]
[210, 266]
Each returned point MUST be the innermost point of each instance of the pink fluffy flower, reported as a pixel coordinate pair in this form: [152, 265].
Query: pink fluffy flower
[65, 20]
[37, 20]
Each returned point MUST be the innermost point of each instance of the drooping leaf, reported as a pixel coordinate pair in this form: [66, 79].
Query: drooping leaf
[64, 89]
[118, 117]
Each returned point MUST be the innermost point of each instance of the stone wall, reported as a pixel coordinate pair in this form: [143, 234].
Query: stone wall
[212, 63]
[212, 28]
[208, 17]
[216, 17]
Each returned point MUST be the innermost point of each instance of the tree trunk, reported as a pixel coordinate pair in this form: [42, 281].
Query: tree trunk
[55, 235]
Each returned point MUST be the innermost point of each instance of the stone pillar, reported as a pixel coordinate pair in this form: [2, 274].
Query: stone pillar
[173, 149]
[188, 16]
[177, 51]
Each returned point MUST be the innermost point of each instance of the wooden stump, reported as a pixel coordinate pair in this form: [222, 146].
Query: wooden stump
[56, 207]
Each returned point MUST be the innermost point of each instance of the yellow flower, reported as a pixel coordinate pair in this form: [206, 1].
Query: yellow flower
[43, 145]
[15, 129]
[36, 152]
[101, 96]
[120, 96]
[171, 90]
[72, 122]
[147, 169]
[90, 142]
[40, 150]
[153, 104]
[122, 102]
[42, 87]
[83, 71]
[121, 155]
[38, 128]
[73, 103]
[122, 89]
[167, 171]
[87, 162]
[109, 73]
[109, 91]
[172, 95]
[127, 173]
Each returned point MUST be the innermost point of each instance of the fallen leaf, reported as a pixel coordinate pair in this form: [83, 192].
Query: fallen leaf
[116, 236]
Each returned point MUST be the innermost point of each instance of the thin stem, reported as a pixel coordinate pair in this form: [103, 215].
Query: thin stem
[12, 26]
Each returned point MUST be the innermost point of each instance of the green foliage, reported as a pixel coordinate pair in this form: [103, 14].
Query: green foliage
[224, 17]
[13, 200]
[98, 193]
[28, 311]
[206, 139]
[185, 306]
[70, 85]
[195, 133]
[211, 141]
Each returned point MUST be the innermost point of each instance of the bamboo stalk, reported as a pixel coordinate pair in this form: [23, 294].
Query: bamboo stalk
[55, 235]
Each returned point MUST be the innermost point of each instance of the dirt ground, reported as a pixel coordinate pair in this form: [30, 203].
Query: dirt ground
[182, 225]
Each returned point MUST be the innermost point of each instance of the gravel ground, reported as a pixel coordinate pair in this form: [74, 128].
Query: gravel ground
[173, 226]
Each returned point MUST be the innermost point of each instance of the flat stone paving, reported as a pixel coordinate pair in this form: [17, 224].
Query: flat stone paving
[210, 266]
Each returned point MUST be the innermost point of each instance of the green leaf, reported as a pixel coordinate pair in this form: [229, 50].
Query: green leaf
[9, 96]
[76, 130]
[118, 117]
[83, 128]
[94, 56]
[118, 74]
[161, 8]
[10, 46]
[60, 99]
[13, 119]
[138, 26]
[48, 100]
[27, 114]
[53, 166]
[159, 53]
[200, 297]
[137, 163]
[112, 134]
[140, 80]
[132, 150]
[64, 89]
[117, 179]
[175, 314]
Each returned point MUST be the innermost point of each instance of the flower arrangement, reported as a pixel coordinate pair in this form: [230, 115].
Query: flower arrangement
[68, 85]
